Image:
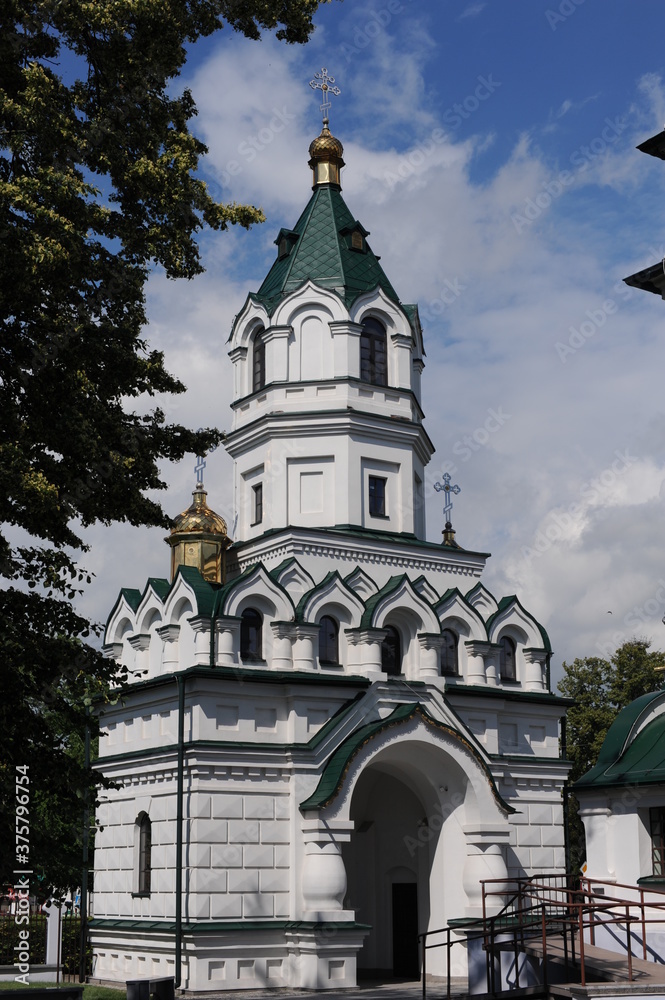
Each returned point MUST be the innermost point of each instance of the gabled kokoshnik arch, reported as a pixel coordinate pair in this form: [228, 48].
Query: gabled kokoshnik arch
[335, 732]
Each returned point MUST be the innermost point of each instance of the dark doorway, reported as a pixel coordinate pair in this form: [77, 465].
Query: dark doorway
[405, 930]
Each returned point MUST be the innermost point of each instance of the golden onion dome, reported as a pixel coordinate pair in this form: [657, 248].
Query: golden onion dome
[199, 538]
[199, 517]
[325, 158]
[325, 145]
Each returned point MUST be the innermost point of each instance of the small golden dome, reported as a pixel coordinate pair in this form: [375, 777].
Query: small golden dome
[199, 538]
[199, 517]
[325, 145]
[325, 158]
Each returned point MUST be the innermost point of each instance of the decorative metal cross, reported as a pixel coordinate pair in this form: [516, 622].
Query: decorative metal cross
[322, 82]
[447, 489]
[199, 467]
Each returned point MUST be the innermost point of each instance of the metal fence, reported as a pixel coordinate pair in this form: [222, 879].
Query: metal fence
[69, 956]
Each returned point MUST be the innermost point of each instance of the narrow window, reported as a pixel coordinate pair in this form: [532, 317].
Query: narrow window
[449, 653]
[507, 668]
[257, 492]
[259, 357]
[145, 849]
[657, 824]
[357, 241]
[328, 640]
[373, 353]
[251, 635]
[391, 652]
[377, 496]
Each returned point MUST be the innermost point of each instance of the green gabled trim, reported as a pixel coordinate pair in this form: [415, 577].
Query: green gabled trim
[300, 607]
[226, 588]
[505, 603]
[414, 584]
[478, 587]
[393, 584]
[284, 565]
[311, 745]
[482, 691]
[340, 761]
[214, 926]
[204, 592]
[131, 595]
[325, 583]
[160, 586]
[254, 569]
[358, 571]
[455, 591]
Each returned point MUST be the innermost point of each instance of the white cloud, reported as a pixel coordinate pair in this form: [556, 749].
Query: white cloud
[473, 10]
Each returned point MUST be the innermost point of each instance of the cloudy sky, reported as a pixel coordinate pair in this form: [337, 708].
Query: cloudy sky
[490, 151]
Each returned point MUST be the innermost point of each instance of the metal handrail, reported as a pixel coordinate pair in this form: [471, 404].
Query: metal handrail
[559, 908]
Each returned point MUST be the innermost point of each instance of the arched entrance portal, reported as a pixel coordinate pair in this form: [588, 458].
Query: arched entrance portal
[402, 827]
[388, 868]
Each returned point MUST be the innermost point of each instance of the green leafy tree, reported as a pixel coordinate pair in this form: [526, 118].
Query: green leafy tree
[600, 689]
[98, 185]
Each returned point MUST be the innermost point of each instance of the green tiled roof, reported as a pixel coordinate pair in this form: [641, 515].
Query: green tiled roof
[321, 253]
[636, 761]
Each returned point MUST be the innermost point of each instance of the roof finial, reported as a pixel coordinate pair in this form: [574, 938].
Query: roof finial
[447, 489]
[323, 83]
[198, 469]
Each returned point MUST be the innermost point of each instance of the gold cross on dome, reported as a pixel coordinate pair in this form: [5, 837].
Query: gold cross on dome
[323, 83]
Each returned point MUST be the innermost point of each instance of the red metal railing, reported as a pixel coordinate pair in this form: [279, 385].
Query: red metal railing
[551, 906]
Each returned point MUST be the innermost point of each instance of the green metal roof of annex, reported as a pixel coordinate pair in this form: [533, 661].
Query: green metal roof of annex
[632, 753]
[320, 251]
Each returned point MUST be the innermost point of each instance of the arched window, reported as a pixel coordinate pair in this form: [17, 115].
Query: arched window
[373, 353]
[391, 652]
[328, 640]
[145, 850]
[251, 635]
[449, 653]
[259, 361]
[507, 665]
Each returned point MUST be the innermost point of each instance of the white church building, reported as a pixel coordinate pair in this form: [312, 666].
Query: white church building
[334, 731]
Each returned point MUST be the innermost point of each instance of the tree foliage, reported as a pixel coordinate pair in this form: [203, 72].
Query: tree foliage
[600, 689]
[98, 184]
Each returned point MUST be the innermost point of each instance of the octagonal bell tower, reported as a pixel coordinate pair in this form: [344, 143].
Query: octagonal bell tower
[327, 427]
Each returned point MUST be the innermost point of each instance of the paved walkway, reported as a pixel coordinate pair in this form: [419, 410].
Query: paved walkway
[369, 990]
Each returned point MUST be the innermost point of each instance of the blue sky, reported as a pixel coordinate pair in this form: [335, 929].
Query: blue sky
[490, 151]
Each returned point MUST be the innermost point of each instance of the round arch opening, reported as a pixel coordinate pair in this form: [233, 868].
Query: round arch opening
[406, 809]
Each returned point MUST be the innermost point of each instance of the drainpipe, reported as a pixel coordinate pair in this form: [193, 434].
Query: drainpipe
[180, 682]
[566, 803]
[85, 859]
